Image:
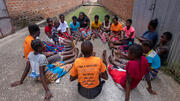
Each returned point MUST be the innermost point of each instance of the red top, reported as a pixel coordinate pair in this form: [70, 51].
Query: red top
[136, 72]
[48, 29]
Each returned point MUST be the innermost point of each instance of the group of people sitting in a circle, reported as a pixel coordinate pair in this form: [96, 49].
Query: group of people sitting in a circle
[128, 64]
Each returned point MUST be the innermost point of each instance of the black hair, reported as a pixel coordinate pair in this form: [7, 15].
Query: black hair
[130, 21]
[96, 16]
[48, 19]
[107, 16]
[87, 48]
[168, 35]
[33, 28]
[154, 23]
[36, 44]
[148, 43]
[82, 13]
[116, 18]
[137, 50]
[61, 15]
[74, 17]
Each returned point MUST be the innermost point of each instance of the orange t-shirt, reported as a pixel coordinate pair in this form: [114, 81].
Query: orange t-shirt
[27, 45]
[116, 28]
[88, 70]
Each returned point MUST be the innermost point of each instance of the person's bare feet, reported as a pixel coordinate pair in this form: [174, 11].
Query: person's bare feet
[111, 60]
[104, 56]
[151, 91]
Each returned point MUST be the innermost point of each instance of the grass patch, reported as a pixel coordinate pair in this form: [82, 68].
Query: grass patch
[84, 9]
[99, 11]
[173, 71]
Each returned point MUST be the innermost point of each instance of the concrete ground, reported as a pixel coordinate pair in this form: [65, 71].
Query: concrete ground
[12, 65]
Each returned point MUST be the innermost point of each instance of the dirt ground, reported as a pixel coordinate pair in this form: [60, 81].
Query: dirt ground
[12, 65]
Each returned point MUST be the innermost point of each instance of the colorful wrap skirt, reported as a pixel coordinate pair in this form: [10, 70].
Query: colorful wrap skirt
[49, 47]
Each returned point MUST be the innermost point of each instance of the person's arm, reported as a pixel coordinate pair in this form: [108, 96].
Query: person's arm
[45, 86]
[104, 75]
[48, 33]
[48, 54]
[26, 71]
[131, 34]
[149, 88]
[128, 85]
[71, 31]
[161, 51]
[73, 73]
[72, 78]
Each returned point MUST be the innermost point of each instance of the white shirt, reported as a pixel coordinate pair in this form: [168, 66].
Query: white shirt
[36, 61]
[62, 26]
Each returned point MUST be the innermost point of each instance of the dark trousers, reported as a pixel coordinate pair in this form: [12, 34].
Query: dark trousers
[90, 93]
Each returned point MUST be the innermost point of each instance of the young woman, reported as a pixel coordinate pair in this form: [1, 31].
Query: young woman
[37, 61]
[162, 48]
[95, 27]
[84, 26]
[48, 29]
[116, 30]
[129, 31]
[105, 28]
[151, 34]
[88, 70]
[63, 28]
[55, 32]
[152, 57]
[135, 69]
[75, 28]
[34, 32]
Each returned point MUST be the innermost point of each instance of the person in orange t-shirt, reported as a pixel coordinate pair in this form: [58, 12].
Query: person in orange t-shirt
[88, 70]
[116, 30]
[34, 32]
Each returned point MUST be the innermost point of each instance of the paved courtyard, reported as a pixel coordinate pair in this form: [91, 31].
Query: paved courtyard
[12, 65]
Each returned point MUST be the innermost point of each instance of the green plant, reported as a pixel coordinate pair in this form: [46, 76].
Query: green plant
[173, 70]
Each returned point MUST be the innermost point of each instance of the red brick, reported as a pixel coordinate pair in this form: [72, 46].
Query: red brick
[122, 8]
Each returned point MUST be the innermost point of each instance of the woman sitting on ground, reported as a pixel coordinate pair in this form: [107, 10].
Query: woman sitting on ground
[128, 78]
[105, 28]
[63, 28]
[75, 28]
[38, 62]
[48, 29]
[151, 34]
[162, 48]
[84, 26]
[88, 70]
[116, 30]
[129, 31]
[95, 27]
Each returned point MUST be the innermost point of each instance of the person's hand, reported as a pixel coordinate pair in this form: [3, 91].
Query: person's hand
[14, 84]
[48, 96]
[151, 91]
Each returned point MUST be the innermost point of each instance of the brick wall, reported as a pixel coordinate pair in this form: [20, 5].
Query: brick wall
[122, 8]
[25, 11]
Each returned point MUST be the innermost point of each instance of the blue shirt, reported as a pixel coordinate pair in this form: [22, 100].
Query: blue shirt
[152, 36]
[154, 59]
[74, 28]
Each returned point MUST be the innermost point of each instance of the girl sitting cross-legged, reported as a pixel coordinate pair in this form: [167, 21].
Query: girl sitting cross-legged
[136, 68]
